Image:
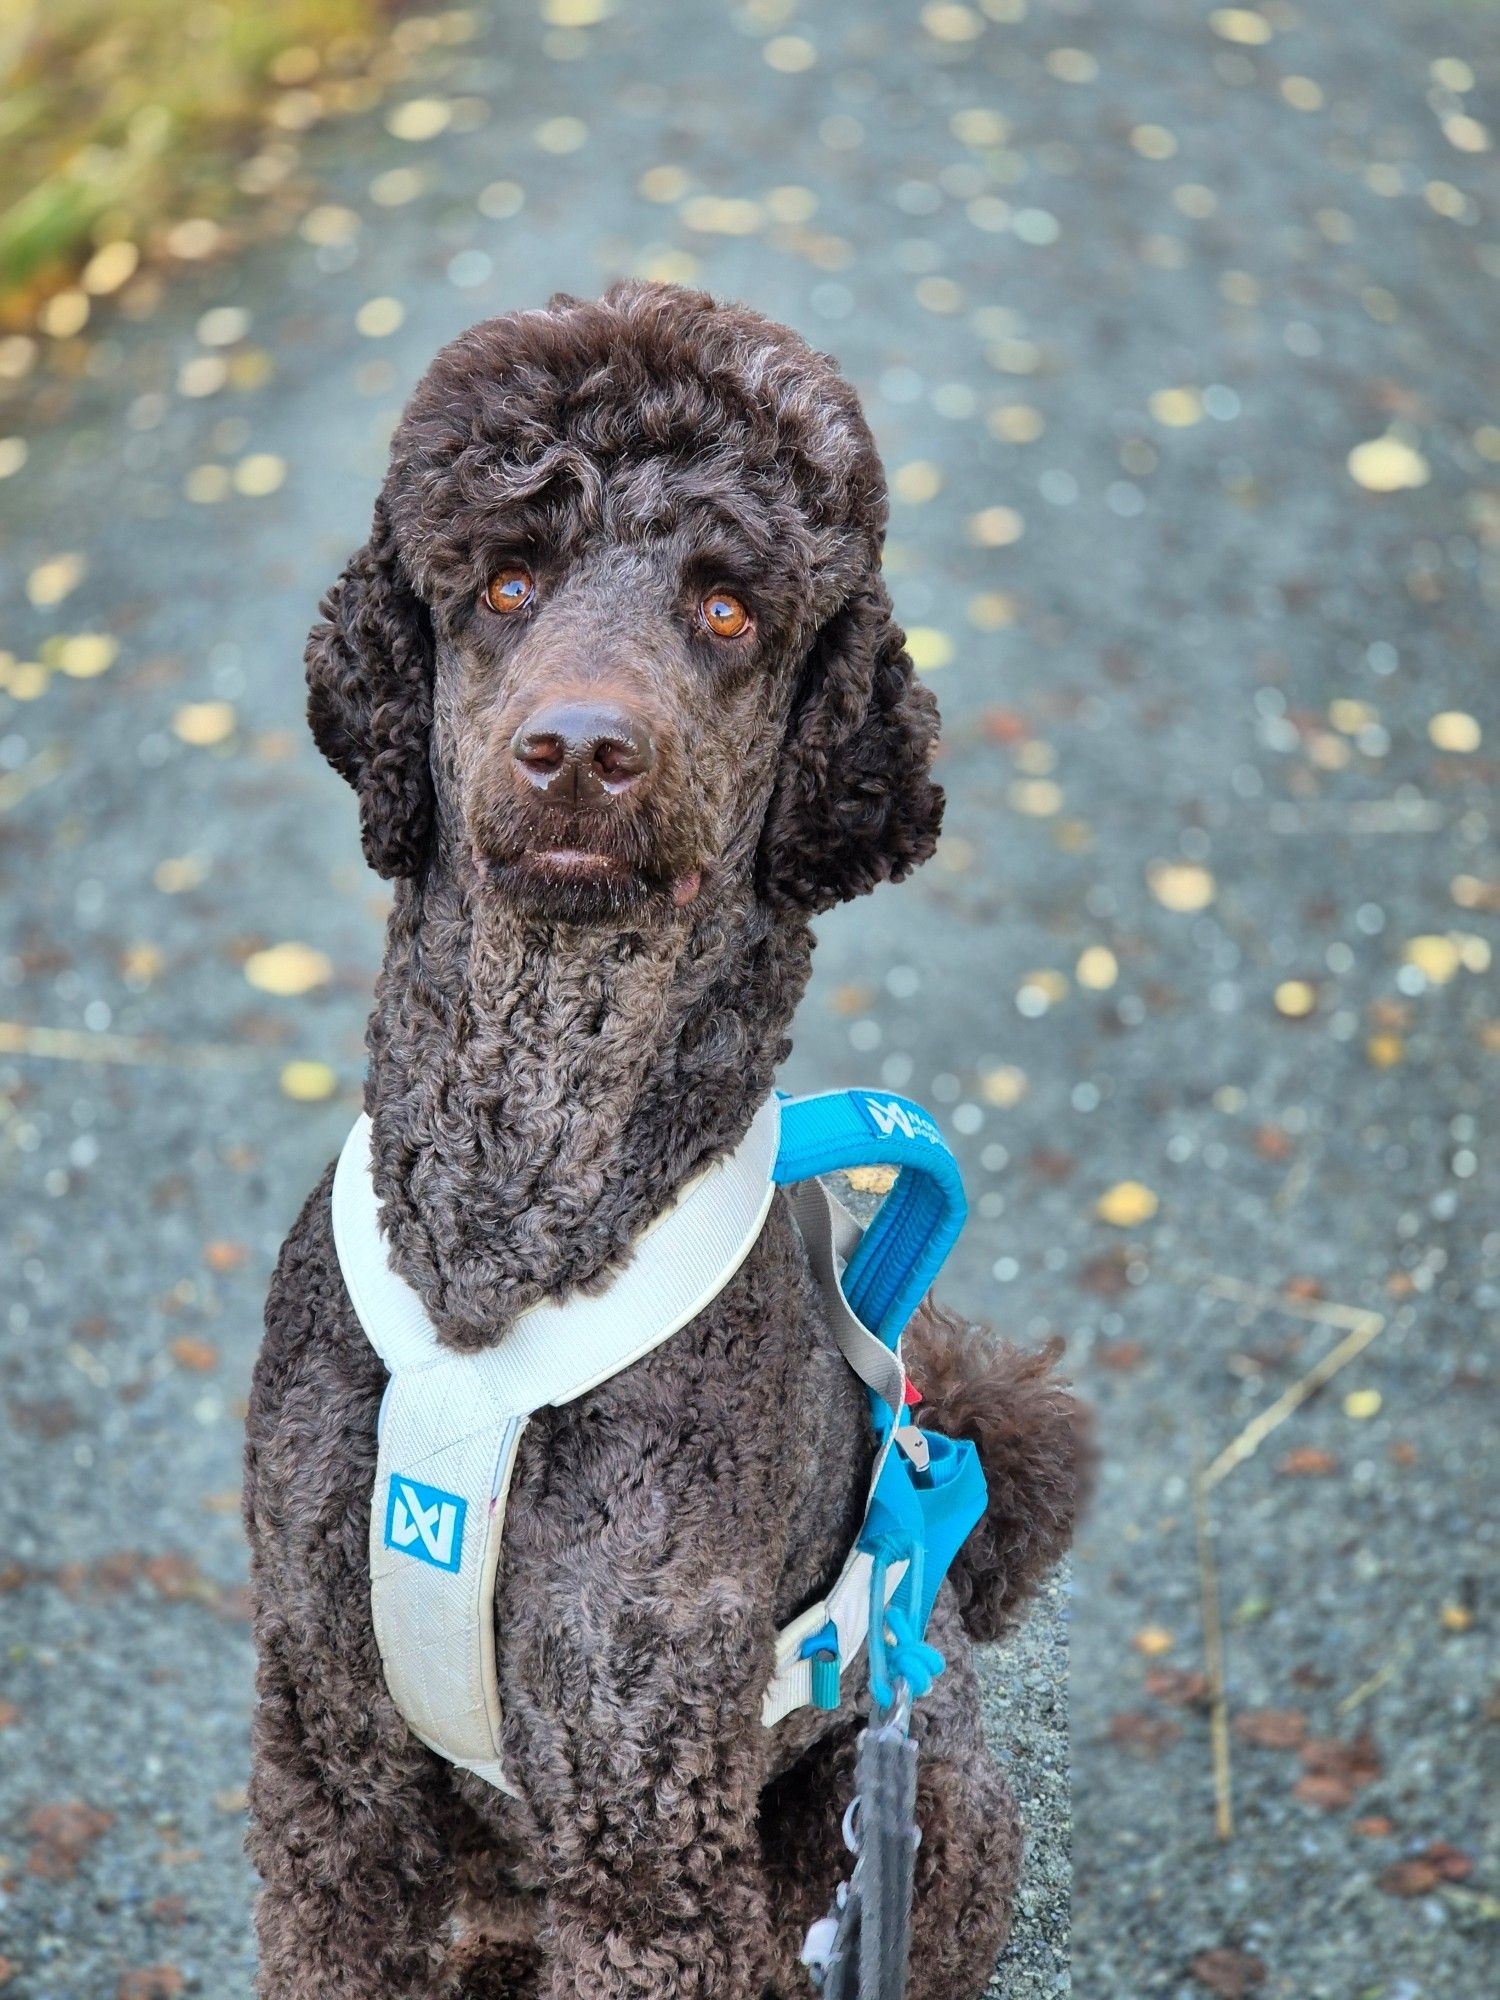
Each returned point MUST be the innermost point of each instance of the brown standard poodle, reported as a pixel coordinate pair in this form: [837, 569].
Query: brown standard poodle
[617, 682]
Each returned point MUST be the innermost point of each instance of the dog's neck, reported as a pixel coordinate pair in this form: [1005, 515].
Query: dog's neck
[539, 1093]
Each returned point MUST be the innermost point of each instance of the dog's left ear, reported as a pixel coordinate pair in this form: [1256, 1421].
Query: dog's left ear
[369, 699]
[854, 804]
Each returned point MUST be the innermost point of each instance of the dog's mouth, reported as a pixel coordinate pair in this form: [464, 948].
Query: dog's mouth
[585, 885]
[574, 863]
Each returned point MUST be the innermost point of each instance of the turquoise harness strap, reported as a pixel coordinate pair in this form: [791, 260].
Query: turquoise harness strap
[919, 1514]
[919, 1220]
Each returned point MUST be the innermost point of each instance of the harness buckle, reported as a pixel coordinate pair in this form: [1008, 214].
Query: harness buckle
[821, 1650]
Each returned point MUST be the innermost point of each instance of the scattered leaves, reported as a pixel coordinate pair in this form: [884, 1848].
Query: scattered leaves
[223, 1255]
[1335, 1770]
[1180, 885]
[308, 1082]
[1003, 1086]
[151, 1982]
[197, 1356]
[62, 1835]
[1097, 968]
[1127, 1204]
[1420, 1874]
[1455, 732]
[929, 648]
[1272, 1728]
[83, 656]
[1388, 465]
[50, 582]
[1436, 957]
[288, 969]
[1308, 1461]
[1146, 1735]
[1228, 1973]
[204, 723]
[1295, 999]
[1180, 1686]
[1153, 1641]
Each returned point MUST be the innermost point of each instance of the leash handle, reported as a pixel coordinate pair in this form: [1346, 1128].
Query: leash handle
[918, 1222]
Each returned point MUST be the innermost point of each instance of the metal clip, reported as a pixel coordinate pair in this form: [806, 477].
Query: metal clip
[913, 1443]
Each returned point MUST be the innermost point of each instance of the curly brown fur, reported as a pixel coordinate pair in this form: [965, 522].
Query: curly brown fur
[1036, 1444]
[585, 994]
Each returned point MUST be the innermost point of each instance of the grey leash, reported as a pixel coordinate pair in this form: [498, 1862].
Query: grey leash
[859, 1950]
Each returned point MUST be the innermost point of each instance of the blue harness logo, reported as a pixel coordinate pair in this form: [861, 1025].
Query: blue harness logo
[425, 1522]
[888, 1115]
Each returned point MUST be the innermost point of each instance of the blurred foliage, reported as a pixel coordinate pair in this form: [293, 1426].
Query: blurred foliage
[119, 117]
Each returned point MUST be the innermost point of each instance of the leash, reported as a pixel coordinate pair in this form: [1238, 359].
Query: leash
[860, 1950]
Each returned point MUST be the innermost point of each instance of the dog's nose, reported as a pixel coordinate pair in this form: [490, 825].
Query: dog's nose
[581, 751]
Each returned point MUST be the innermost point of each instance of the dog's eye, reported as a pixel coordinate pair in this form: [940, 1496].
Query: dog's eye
[509, 590]
[724, 615]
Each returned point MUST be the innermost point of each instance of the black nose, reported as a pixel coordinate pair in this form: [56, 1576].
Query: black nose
[583, 751]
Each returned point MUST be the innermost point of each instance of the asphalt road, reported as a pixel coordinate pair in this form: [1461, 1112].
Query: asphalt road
[1176, 327]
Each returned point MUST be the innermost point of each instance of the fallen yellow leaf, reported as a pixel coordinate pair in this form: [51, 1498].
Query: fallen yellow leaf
[203, 723]
[82, 655]
[50, 582]
[308, 1082]
[1153, 1641]
[1295, 998]
[1455, 731]
[1127, 1204]
[1436, 957]
[288, 969]
[1388, 465]
[996, 527]
[1180, 885]
[929, 648]
[1004, 1086]
[1176, 408]
[179, 872]
[1097, 968]
[1037, 798]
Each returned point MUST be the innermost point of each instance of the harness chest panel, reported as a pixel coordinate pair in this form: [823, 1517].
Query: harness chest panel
[450, 1423]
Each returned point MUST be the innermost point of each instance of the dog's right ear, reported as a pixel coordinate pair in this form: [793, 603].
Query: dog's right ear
[369, 699]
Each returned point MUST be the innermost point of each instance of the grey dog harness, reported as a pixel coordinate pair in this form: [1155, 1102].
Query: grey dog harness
[450, 1425]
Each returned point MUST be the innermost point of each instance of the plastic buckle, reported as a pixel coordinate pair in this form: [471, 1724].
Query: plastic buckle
[822, 1650]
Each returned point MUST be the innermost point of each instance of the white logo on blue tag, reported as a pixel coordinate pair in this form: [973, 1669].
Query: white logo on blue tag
[888, 1115]
[425, 1522]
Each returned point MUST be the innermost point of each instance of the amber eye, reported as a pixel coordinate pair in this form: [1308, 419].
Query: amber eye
[724, 615]
[509, 590]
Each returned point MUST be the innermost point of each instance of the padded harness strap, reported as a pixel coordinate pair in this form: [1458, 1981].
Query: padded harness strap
[918, 1222]
[450, 1423]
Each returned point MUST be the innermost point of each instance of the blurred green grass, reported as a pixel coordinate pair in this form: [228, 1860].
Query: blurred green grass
[120, 117]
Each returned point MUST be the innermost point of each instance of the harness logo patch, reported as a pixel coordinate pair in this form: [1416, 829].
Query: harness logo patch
[888, 1115]
[425, 1522]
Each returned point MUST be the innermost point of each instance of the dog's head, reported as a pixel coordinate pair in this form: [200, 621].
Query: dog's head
[620, 627]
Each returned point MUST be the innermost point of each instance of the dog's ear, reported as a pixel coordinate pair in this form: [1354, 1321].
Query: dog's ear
[854, 803]
[369, 699]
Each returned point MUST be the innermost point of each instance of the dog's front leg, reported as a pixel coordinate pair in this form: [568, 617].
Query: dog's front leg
[647, 1793]
[356, 1883]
